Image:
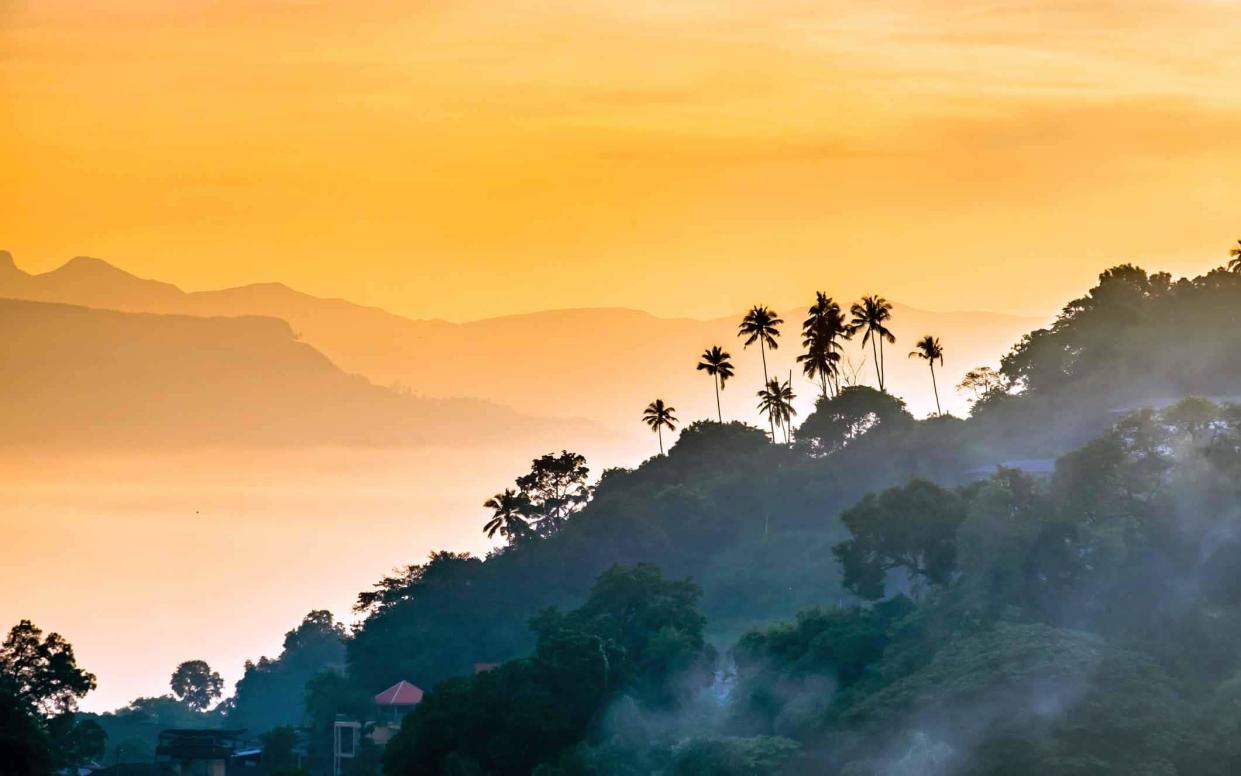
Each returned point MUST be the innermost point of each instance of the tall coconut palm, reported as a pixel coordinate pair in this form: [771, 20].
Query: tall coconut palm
[761, 325]
[776, 402]
[657, 415]
[1234, 263]
[717, 363]
[509, 510]
[869, 317]
[820, 331]
[929, 349]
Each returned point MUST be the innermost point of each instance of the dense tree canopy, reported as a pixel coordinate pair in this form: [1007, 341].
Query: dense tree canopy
[271, 693]
[196, 685]
[635, 632]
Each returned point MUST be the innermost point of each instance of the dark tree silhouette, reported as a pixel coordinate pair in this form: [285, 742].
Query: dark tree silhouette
[929, 350]
[820, 331]
[761, 325]
[1234, 261]
[776, 402]
[196, 684]
[556, 488]
[509, 511]
[981, 381]
[869, 316]
[717, 363]
[657, 415]
[43, 672]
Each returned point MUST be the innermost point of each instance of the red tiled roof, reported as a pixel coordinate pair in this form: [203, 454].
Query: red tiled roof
[400, 694]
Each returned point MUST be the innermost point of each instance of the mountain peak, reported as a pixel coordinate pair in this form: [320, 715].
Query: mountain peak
[91, 265]
[6, 262]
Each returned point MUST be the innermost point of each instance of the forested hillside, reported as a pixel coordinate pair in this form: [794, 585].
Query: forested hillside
[1049, 586]
[1099, 598]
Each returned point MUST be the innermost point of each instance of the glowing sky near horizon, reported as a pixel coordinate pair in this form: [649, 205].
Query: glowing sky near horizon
[463, 159]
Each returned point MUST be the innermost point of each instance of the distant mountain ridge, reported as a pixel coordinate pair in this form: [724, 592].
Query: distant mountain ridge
[568, 363]
[83, 376]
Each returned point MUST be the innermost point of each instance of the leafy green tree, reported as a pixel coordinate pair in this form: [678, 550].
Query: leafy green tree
[75, 740]
[556, 489]
[636, 632]
[911, 527]
[870, 316]
[717, 363]
[412, 580]
[196, 685]
[856, 411]
[43, 671]
[928, 349]
[658, 416]
[776, 402]
[762, 325]
[271, 692]
[509, 510]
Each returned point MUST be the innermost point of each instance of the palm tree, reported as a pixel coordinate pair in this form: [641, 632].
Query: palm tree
[776, 402]
[657, 415]
[1234, 263]
[819, 333]
[869, 316]
[717, 362]
[509, 515]
[761, 325]
[928, 348]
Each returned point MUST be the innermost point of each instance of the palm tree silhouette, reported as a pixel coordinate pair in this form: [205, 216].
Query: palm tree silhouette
[1234, 263]
[776, 402]
[718, 363]
[819, 333]
[509, 515]
[928, 348]
[869, 315]
[761, 325]
[657, 415]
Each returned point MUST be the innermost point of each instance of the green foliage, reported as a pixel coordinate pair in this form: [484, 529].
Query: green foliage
[196, 685]
[278, 754]
[25, 749]
[329, 694]
[757, 756]
[40, 685]
[271, 693]
[43, 672]
[134, 730]
[555, 489]
[857, 410]
[911, 528]
[1131, 547]
[635, 631]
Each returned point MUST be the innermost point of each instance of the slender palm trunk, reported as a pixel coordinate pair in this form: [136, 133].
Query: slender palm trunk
[718, 411]
[882, 365]
[659, 431]
[935, 388]
[823, 382]
[763, 351]
[874, 352]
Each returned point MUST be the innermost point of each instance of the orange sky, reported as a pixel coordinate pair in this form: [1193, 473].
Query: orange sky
[459, 159]
[465, 159]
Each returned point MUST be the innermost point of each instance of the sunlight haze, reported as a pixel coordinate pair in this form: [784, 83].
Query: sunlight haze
[460, 160]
